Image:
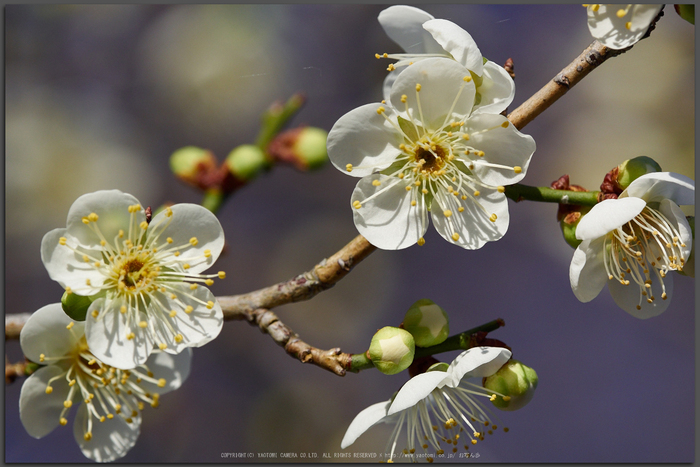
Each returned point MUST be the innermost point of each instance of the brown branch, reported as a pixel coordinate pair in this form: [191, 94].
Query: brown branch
[14, 324]
[589, 60]
[302, 287]
[332, 360]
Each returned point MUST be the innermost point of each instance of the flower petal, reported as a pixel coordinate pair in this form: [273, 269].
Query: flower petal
[110, 440]
[612, 32]
[67, 267]
[675, 215]
[473, 225]
[497, 90]
[457, 42]
[190, 221]
[656, 186]
[444, 96]
[505, 147]
[415, 390]
[364, 420]
[40, 412]
[608, 215]
[388, 221]
[365, 139]
[477, 362]
[404, 25]
[107, 335]
[173, 368]
[45, 333]
[628, 297]
[587, 271]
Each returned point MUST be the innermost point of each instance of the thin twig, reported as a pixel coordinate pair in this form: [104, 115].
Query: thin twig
[14, 324]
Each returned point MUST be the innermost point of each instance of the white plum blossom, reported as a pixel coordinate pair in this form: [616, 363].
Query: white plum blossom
[422, 36]
[633, 242]
[437, 407]
[424, 151]
[108, 420]
[620, 26]
[144, 277]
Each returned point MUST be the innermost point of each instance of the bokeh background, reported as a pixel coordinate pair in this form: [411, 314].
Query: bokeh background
[99, 96]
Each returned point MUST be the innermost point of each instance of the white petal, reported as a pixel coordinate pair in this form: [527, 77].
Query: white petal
[627, 297]
[404, 25]
[111, 439]
[473, 225]
[364, 420]
[190, 221]
[388, 221]
[656, 186]
[677, 218]
[611, 31]
[587, 271]
[477, 362]
[173, 368]
[497, 90]
[68, 267]
[444, 96]
[106, 335]
[45, 333]
[457, 42]
[365, 139]
[112, 208]
[389, 82]
[608, 215]
[40, 412]
[415, 390]
[502, 146]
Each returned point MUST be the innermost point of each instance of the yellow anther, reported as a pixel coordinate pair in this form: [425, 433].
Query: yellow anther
[93, 217]
[188, 309]
[380, 110]
[493, 217]
[421, 241]
[628, 25]
[173, 313]
[95, 313]
[473, 441]
[447, 213]
[517, 169]
[501, 189]
[221, 274]
[460, 209]
[49, 389]
[130, 336]
[620, 13]
[356, 204]
[480, 154]
[143, 225]
[506, 429]
[143, 325]
[506, 398]
[194, 241]
[439, 452]
[424, 191]
[85, 220]
[209, 282]
[404, 98]
[162, 346]
[63, 421]
[88, 282]
[455, 236]
[348, 167]
[62, 240]
[178, 338]
[418, 86]
[391, 67]
[376, 182]
[169, 240]
[67, 404]
[493, 397]
[429, 459]
[210, 304]
[385, 55]
[408, 188]
[377, 56]
[505, 124]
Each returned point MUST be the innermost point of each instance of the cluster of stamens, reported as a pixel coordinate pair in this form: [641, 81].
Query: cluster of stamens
[647, 246]
[106, 391]
[621, 13]
[139, 263]
[438, 164]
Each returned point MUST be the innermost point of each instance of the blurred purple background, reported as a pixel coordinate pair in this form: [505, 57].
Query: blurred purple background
[99, 96]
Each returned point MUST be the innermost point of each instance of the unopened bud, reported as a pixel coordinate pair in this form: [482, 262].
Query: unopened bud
[687, 12]
[246, 161]
[75, 306]
[516, 384]
[689, 265]
[190, 162]
[392, 350]
[304, 148]
[569, 215]
[632, 169]
[427, 323]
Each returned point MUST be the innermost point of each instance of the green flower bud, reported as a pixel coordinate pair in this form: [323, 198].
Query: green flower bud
[427, 322]
[304, 147]
[689, 266]
[569, 223]
[687, 12]
[246, 161]
[515, 382]
[392, 350]
[75, 306]
[189, 161]
[632, 169]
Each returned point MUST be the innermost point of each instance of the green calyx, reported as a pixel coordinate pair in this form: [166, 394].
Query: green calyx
[76, 306]
[246, 161]
[310, 147]
[632, 169]
[687, 12]
[392, 350]
[516, 384]
[427, 323]
[186, 162]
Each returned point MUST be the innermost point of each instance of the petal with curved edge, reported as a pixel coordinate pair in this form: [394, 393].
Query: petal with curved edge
[45, 333]
[587, 271]
[473, 225]
[628, 297]
[404, 25]
[387, 220]
[611, 31]
[457, 42]
[174, 369]
[444, 95]
[676, 217]
[107, 335]
[110, 440]
[365, 139]
[497, 90]
[40, 412]
[657, 186]
[68, 267]
[189, 221]
[197, 328]
[389, 82]
[607, 216]
[416, 389]
[365, 420]
[112, 208]
[504, 149]
[477, 362]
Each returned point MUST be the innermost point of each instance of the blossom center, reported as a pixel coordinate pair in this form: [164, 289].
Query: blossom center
[431, 159]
